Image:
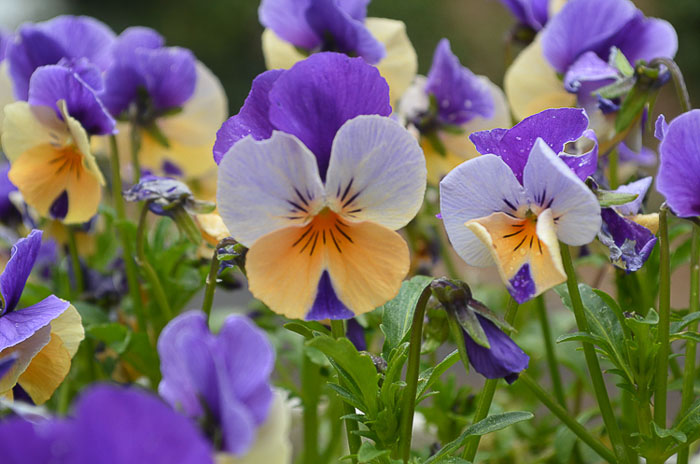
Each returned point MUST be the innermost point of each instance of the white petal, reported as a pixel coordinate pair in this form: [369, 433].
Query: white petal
[262, 184]
[475, 189]
[383, 166]
[552, 184]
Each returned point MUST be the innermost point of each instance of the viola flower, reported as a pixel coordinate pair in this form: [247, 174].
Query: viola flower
[318, 186]
[46, 140]
[124, 424]
[533, 13]
[629, 235]
[577, 43]
[513, 206]
[296, 29]
[174, 100]
[44, 336]
[446, 107]
[223, 381]
[165, 195]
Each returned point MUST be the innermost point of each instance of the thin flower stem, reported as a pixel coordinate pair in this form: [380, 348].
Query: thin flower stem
[310, 392]
[351, 427]
[568, 419]
[135, 142]
[409, 394]
[156, 288]
[678, 81]
[211, 285]
[613, 176]
[594, 371]
[486, 396]
[75, 263]
[661, 379]
[689, 371]
[127, 250]
[550, 351]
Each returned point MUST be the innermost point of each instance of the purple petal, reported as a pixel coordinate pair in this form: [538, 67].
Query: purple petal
[356, 334]
[327, 305]
[17, 326]
[645, 157]
[122, 83]
[555, 126]
[533, 13]
[119, 425]
[23, 442]
[133, 38]
[86, 71]
[504, 359]
[522, 286]
[660, 128]
[287, 18]
[584, 165]
[7, 208]
[357, 9]
[237, 423]
[589, 68]
[170, 75]
[253, 119]
[679, 170]
[30, 49]
[460, 95]
[49, 84]
[318, 95]
[640, 188]
[584, 25]
[646, 39]
[340, 32]
[630, 244]
[17, 270]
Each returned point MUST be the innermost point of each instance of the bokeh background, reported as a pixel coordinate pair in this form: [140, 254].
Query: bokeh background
[225, 34]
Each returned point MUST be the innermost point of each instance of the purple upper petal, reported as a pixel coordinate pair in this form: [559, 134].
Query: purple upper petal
[638, 187]
[49, 84]
[646, 39]
[504, 359]
[17, 326]
[679, 170]
[630, 244]
[555, 126]
[589, 68]
[533, 13]
[288, 19]
[48, 42]
[318, 95]
[133, 38]
[460, 95]
[253, 119]
[17, 269]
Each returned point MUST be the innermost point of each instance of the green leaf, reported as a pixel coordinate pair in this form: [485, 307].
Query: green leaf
[429, 376]
[116, 336]
[631, 108]
[90, 314]
[607, 198]
[469, 322]
[690, 336]
[306, 328]
[578, 337]
[677, 326]
[490, 424]
[689, 423]
[397, 314]
[619, 61]
[369, 452]
[677, 435]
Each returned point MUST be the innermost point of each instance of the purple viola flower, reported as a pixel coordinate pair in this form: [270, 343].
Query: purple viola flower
[164, 195]
[49, 42]
[679, 170]
[44, 336]
[223, 379]
[564, 130]
[323, 25]
[531, 13]
[110, 425]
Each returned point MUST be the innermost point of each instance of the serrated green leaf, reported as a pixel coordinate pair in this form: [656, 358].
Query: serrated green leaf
[397, 314]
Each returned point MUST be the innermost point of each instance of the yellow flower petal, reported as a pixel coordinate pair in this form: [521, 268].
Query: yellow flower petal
[650, 221]
[213, 228]
[46, 371]
[26, 351]
[400, 64]
[278, 53]
[23, 130]
[69, 327]
[532, 85]
[81, 141]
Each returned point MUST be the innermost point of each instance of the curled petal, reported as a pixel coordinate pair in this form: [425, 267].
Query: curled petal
[22, 257]
[504, 359]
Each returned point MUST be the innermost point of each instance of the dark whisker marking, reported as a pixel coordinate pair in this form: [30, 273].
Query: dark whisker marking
[513, 234]
[521, 242]
[508, 214]
[354, 211]
[309, 229]
[338, 221]
[532, 237]
[335, 241]
[324, 236]
[539, 244]
[343, 233]
[297, 206]
[509, 204]
[351, 199]
[337, 194]
[522, 224]
[301, 197]
[293, 218]
[543, 197]
[313, 247]
[311, 237]
[556, 218]
[347, 189]
[549, 205]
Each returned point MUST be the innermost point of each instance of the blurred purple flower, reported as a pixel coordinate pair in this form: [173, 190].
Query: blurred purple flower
[164, 195]
[532, 13]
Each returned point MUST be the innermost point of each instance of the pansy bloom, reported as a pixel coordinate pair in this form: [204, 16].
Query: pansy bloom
[172, 99]
[512, 205]
[297, 28]
[318, 187]
[223, 380]
[576, 43]
[44, 336]
[109, 425]
[447, 106]
[47, 142]
[679, 171]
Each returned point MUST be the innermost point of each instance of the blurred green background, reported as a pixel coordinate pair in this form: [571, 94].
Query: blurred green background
[225, 34]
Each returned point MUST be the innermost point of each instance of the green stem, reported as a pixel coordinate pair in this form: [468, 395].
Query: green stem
[310, 392]
[211, 285]
[594, 371]
[567, 418]
[135, 139]
[351, 427]
[409, 394]
[127, 251]
[156, 288]
[486, 397]
[689, 370]
[75, 263]
[613, 159]
[661, 379]
[550, 351]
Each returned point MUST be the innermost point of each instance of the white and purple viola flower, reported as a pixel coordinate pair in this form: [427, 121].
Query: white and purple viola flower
[297, 28]
[512, 205]
[43, 337]
[223, 381]
[679, 170]
[446, 107]
[173, 100]
[111, 425]
[315, 178]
